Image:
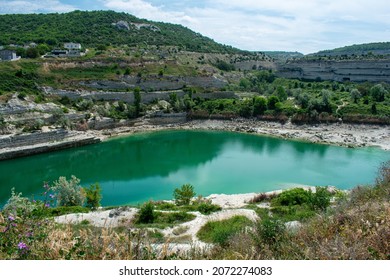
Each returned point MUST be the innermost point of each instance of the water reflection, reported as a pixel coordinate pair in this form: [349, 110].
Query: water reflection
[150, 165]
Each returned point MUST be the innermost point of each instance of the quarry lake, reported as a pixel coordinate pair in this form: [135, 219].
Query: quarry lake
[146, 166]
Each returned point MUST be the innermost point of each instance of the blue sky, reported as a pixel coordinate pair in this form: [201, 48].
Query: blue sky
[291, 25]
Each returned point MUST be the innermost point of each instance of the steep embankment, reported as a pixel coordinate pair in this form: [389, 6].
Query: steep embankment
[367, 70]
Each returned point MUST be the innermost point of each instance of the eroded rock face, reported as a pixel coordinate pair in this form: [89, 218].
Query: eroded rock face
[343, 70]
[122, 25]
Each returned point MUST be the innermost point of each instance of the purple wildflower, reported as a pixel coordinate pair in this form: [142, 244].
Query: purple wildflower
[11, 218]
[51, 195]
[47, 205]
[22, 246]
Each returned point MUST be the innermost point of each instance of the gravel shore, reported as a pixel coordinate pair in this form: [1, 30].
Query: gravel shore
[339, 134]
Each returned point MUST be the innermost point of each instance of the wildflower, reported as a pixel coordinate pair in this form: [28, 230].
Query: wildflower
[11, 218]
[23, 246]
[51, 195]
[47, 205]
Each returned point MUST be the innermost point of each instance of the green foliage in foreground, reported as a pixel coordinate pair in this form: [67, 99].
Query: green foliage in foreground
[219, 232]
[355, 227]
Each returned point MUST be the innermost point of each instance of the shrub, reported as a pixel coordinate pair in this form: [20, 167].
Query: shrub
[93, 195]
[184, 195]
[320, 200]
[63, 210]
[146, 214]
[297, 196]
[269, 231]
[68, 193]
[219, 232]
[173, 217]
[207, 208]
[18, 205]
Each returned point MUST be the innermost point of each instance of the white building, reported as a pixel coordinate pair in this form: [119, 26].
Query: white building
[7, 55]
[72, 46]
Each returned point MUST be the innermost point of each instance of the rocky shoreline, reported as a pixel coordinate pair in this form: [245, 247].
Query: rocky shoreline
[346, 135]
[339, 134]
[15, 146]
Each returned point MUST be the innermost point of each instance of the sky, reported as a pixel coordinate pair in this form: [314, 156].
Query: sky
[305, 26]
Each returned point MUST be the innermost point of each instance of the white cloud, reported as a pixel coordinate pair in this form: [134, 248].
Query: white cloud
[33, 6]
[143, 9]
[302, 25]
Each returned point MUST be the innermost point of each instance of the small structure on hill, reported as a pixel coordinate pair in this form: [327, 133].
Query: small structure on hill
[8, 55]
[70, 50]
[72, 46]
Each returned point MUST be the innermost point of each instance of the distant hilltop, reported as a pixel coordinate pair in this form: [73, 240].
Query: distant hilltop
[95, 28]
[360, 49]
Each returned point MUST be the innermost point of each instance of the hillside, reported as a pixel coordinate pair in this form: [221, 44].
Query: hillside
[359, 49]
[283, 56]
[101, 28]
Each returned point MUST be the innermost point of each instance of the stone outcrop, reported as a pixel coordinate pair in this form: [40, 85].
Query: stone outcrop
[155, 83]
[146, 97]
[337, 70]
[13, 146]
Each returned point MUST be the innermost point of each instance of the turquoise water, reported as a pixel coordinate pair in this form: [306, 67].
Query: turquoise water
[147, 166]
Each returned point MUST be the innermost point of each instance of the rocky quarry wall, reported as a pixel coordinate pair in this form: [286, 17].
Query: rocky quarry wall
[343, 70]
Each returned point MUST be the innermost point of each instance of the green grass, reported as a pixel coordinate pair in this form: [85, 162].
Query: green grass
[167, 219]
[219, 232]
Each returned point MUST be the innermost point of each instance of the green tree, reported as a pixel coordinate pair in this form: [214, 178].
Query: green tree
[32, 53]
[378, 92]
[281, 93]
[259, 105]
[355, 95]
[272, 100]
[246, 109]
[93, 195]
[245, 84]
[184, 194]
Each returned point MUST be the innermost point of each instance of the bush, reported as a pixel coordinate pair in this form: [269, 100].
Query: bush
[269, 231]
[207, 208]
[18, 205]
[184, 195]
[297, 196]
[146, 214]
[173, 217]
[93, 195]
[220, 232]
[68, 193]
[320, 200]
[63, 210]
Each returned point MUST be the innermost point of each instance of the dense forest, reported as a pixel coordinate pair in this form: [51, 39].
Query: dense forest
[95, 28]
